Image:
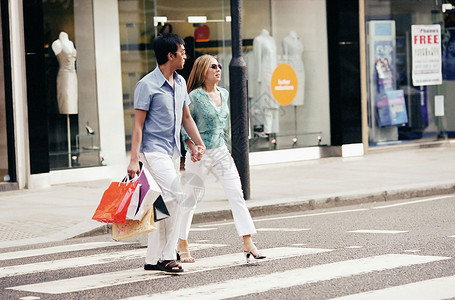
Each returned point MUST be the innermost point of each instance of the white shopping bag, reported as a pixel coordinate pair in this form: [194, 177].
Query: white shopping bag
[134, 204]
[149, 191]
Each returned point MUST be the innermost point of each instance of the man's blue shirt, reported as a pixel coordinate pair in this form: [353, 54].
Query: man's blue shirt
[164, 106]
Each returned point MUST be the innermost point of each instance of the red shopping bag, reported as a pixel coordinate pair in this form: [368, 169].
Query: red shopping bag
[114, 203]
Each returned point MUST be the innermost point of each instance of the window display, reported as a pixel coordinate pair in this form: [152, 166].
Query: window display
[66, 78]
[264, 108]
[73, 113]
[407, 51]
[271, 36]
[292, 55]
[202, 24]
[304, 121]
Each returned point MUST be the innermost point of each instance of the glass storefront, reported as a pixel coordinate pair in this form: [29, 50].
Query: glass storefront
[410, 71]
[141, 21]
[290, 32]
[71, 93]
[293, 33]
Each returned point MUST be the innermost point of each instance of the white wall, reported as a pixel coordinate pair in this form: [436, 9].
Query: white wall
[19, 93]
[109, 82]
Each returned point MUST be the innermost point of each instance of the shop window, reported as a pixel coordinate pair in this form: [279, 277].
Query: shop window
[410, 96]
[288, 88]
[142, 20]
[274, 32]
[71, 94]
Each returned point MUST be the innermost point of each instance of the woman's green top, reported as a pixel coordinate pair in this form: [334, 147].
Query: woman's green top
[210, 120]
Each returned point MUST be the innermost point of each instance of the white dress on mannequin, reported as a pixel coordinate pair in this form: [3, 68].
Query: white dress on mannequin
[67, 77]
[265, 109]
[292, 52]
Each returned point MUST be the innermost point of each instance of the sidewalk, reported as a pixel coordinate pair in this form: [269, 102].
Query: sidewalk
[64, 211]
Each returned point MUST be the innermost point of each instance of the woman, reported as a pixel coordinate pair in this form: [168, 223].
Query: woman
[209, 110]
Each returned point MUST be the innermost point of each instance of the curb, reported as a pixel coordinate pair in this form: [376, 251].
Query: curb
[309, 204]
[329, 202]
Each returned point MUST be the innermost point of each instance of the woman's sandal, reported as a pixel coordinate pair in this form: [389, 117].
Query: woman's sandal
[169, 266]
[187, 259]
[250, 253]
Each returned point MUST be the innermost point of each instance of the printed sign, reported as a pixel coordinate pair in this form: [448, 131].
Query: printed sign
[391, 108]
[426, 55]
[284, 84]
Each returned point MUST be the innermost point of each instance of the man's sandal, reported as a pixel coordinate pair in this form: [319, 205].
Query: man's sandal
[169, 266]
[186, 259]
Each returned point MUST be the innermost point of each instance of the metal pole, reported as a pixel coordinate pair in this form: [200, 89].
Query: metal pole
[239, 105]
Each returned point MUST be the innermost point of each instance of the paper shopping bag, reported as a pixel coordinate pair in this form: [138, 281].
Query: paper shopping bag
[160, 211]
[114, 202]
[134, 204]
[149, 191]
[133, 228]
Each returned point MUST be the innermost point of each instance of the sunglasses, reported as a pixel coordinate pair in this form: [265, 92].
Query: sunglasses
[214, 66]
[182, 53]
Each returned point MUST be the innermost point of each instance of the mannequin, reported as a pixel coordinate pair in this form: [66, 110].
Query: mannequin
[265, 110]
[292, 52]
[66, 81]
[66, 78]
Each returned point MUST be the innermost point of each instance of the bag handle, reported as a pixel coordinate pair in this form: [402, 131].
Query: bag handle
[128, 178]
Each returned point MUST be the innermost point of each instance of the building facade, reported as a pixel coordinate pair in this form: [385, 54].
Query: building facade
[324, 78]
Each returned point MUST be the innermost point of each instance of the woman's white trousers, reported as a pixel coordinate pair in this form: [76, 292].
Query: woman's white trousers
[219, 162]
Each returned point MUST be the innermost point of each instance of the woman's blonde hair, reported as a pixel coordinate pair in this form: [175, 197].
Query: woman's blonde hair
[199, 72]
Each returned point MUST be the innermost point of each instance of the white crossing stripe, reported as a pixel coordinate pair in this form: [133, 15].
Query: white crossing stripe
[202, 229]
[258, 284]
[135, 275]
[57, 249]
[414, 202]
[378, 231]
[197, 246]
[433, 289]
[283, 229]
[95, 259]
[291, 217]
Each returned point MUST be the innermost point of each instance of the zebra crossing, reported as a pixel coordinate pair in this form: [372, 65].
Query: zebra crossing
[436, 288]
[280, 280]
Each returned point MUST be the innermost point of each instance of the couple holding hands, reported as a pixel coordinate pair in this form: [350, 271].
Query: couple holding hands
[164, 103]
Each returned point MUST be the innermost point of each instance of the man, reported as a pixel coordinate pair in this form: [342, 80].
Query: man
[160, 108]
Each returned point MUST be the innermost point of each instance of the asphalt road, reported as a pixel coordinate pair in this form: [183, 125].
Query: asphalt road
[393, 250]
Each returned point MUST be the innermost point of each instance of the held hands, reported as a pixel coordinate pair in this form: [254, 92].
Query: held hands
[197, 152]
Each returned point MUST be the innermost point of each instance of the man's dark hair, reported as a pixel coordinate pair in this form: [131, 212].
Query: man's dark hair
[165, 43]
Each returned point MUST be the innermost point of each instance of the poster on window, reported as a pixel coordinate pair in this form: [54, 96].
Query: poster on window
[426, 55]
[391, 108]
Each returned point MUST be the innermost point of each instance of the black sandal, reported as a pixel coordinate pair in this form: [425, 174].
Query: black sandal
[169, 266]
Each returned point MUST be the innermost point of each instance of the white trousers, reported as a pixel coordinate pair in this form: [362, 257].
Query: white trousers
[220, 163]
[166, 172]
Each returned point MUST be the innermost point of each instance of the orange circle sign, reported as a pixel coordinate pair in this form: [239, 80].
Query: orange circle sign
[284, 84]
